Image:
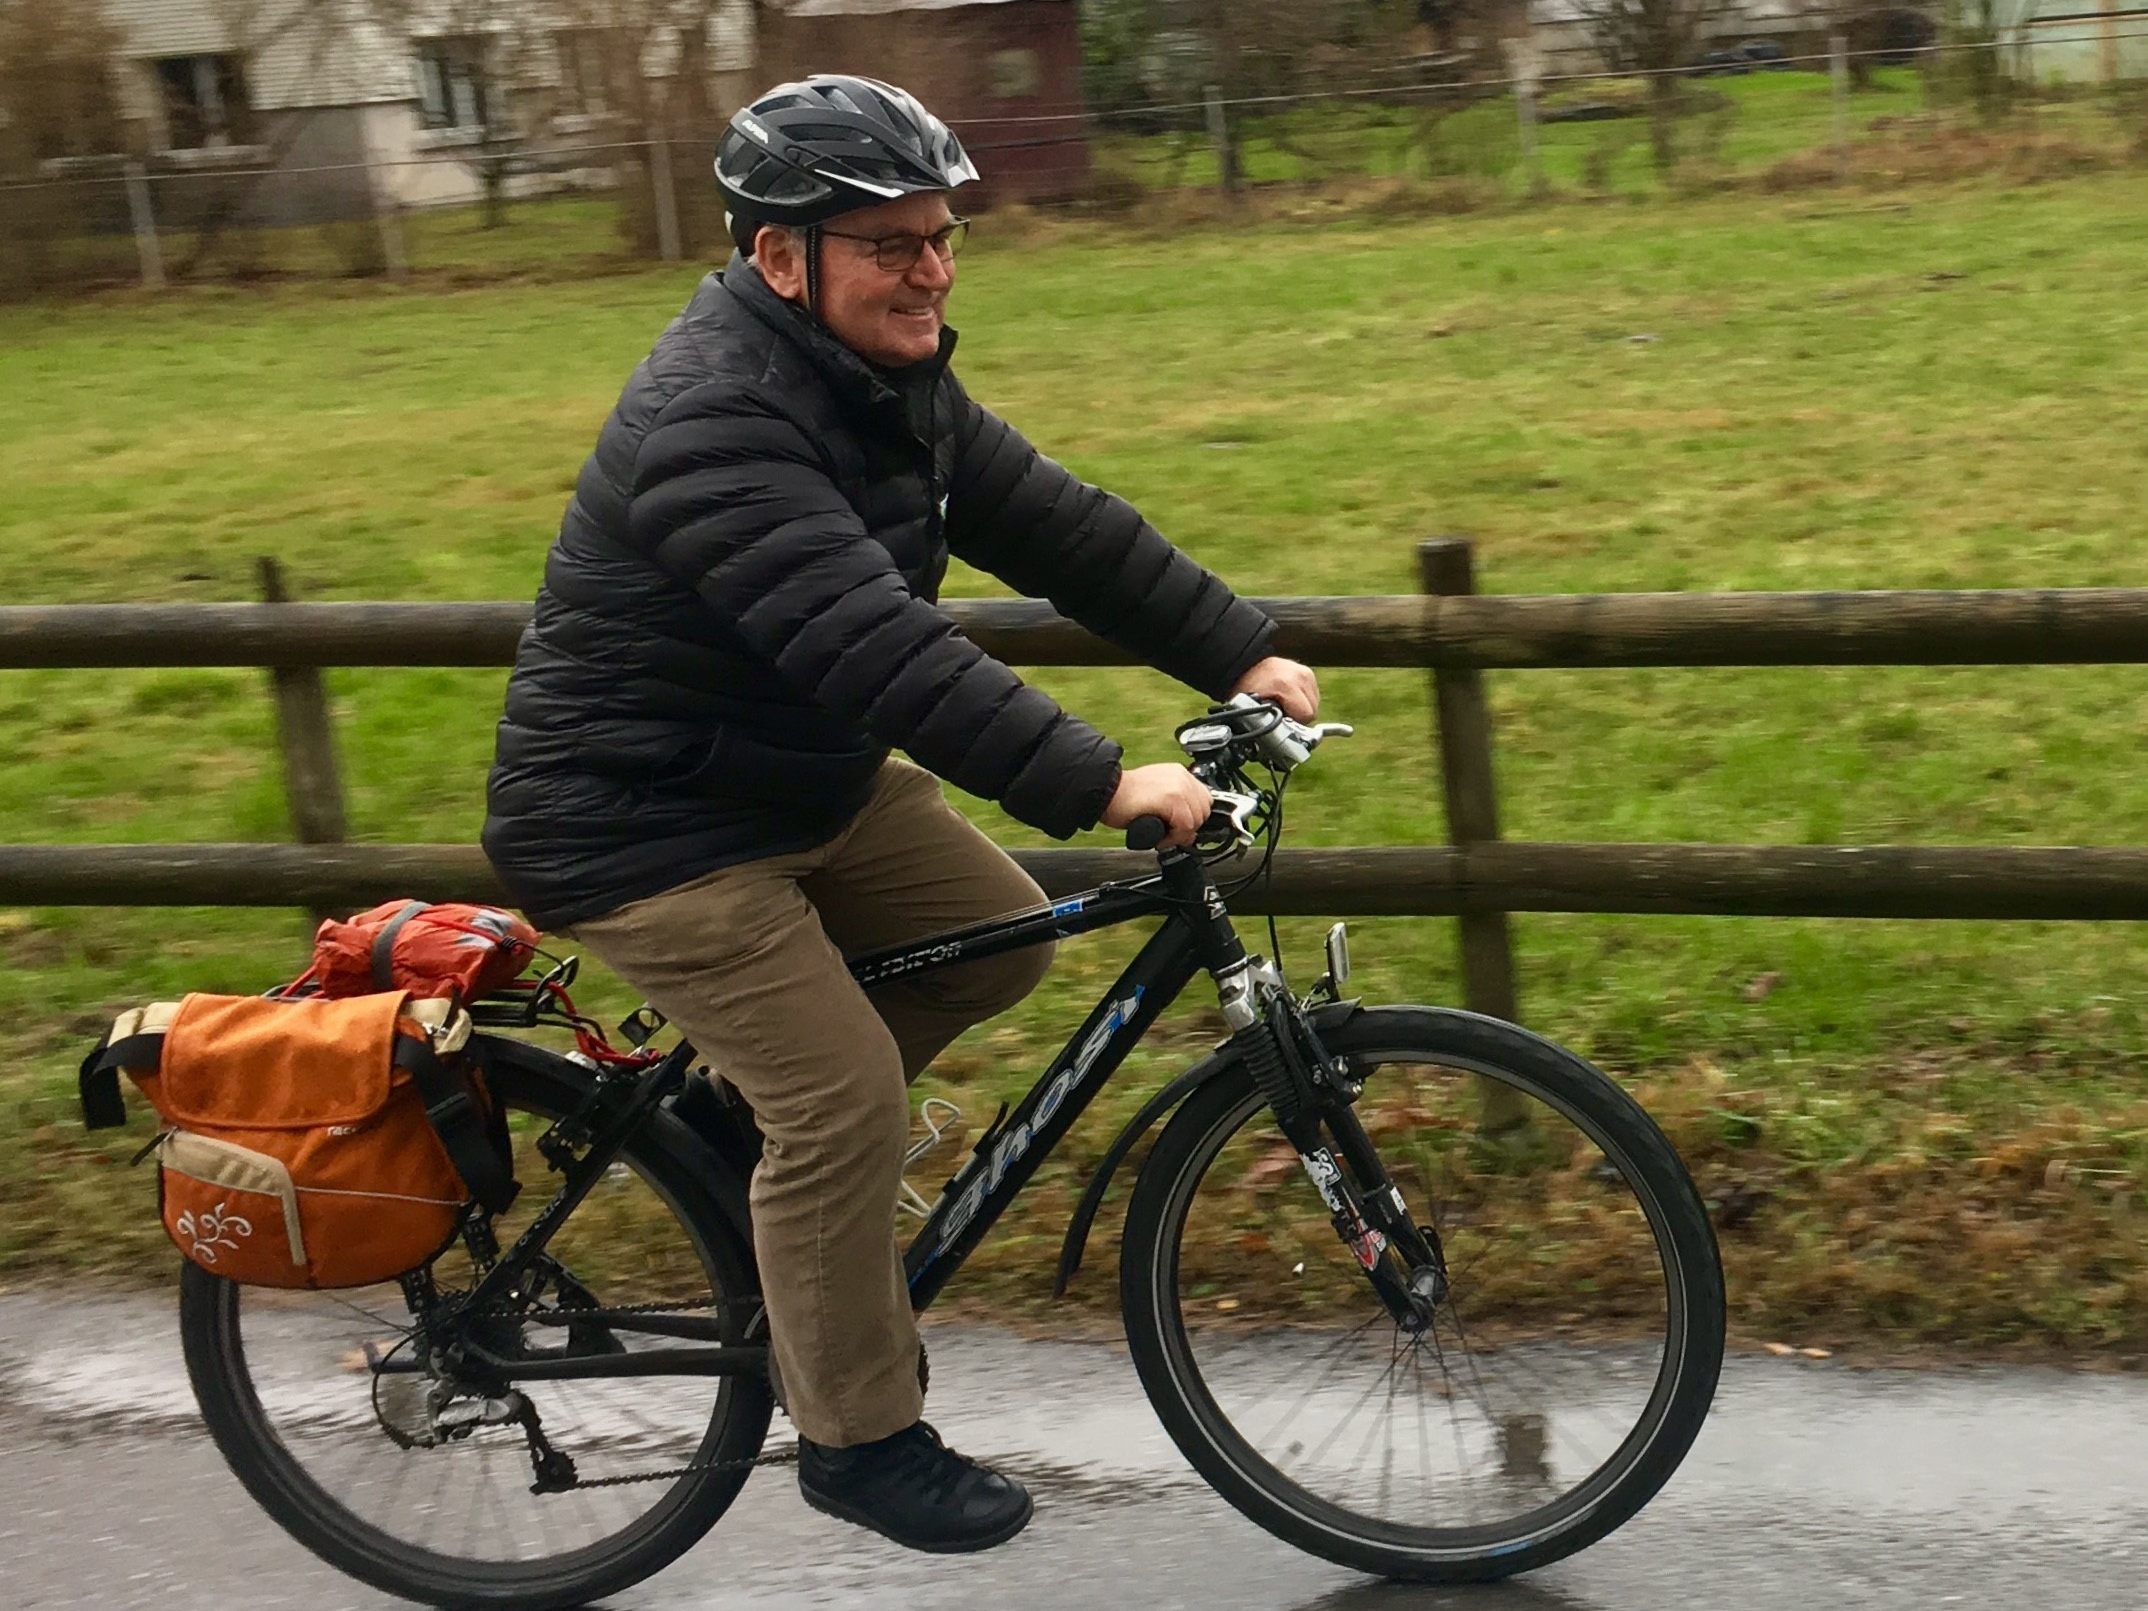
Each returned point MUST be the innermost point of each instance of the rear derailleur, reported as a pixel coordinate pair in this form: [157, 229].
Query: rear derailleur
[460, 1397]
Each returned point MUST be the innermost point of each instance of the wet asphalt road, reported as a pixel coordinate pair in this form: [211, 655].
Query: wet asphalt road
[1815, 1485]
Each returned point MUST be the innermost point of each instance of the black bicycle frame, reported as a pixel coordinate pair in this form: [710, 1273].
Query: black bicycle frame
[1196, 934]
[1008, 1154]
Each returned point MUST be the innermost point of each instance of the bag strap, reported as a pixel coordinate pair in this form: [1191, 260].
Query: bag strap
[460, 1124]
[98, 1080]
[135, 1040]
[384, 944]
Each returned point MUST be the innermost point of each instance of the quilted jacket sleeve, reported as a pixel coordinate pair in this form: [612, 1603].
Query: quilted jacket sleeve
[730, 498]
[1045, 531]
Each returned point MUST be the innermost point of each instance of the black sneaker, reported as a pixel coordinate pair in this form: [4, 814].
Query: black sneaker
[914, 1489]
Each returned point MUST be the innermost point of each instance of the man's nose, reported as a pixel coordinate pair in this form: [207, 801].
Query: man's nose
[931, 271]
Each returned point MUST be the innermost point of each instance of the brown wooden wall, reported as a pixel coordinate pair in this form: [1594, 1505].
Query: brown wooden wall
[992, 71]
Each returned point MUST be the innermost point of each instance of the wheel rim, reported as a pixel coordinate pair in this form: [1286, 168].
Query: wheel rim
[296, 1364]
[1545, 1379]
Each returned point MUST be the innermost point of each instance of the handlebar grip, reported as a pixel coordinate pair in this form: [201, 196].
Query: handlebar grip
[1146, 833]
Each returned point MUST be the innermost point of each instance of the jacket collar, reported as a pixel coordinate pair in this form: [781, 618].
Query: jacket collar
[852, 377]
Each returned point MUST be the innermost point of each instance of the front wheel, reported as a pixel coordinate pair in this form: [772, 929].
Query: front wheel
[1563, 1373]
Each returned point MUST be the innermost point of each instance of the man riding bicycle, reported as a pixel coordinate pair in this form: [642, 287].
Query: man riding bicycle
[738, 623]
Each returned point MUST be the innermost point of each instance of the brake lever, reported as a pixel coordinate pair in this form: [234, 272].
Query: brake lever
[1231, 812]
[1289, 744]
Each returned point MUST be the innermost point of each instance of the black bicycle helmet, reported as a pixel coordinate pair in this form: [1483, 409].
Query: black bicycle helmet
[805, 152]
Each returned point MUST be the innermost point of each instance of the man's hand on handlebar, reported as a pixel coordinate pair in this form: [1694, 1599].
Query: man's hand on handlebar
[1166, 791]
[1289, 684]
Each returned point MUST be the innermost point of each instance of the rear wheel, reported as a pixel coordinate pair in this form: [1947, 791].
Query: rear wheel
[1564, 1372]
[318, 1436]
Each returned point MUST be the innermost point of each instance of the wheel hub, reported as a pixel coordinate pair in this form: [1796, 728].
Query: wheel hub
[1427, 1287]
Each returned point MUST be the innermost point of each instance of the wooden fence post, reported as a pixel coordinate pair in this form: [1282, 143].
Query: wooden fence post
[144, 216]
[394, 248]
[1219, 136]
[312, 779]
[667, 199]
[1525, 112]
[1463, 731]
[1838, 54]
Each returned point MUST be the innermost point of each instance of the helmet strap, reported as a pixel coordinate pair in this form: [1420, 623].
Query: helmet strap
[812, 270]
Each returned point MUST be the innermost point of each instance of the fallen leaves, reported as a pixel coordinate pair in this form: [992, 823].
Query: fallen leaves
[1783, 1350]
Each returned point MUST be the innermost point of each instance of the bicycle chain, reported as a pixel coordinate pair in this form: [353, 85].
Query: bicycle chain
[782, 1457]
[698, 1468]
[607, 1312]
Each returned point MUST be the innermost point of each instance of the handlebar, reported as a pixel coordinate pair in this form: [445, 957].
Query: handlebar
[1146, 833]
[1221, 745]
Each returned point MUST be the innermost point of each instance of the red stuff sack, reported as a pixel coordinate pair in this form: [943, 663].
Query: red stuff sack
[449, 950]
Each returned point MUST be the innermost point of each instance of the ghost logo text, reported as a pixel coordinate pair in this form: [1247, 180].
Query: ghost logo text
[985, 1171]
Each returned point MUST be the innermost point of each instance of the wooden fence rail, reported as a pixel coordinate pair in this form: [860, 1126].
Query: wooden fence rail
[1449, 630]
[1385, 880]
[2001, 627]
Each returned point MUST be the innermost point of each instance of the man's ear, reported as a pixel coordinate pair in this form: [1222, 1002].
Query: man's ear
[777, 254]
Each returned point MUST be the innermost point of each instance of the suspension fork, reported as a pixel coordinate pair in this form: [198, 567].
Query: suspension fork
[1309, 1092]
[1305, 1089]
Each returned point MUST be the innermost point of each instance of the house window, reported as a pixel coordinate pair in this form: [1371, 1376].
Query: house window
[592, 69]
[1016, 75]
[205, 102]
[453, 91]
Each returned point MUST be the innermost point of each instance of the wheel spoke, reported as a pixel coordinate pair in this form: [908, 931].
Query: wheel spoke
[1347, 1337]
[303, 1405]
[1555, 1265]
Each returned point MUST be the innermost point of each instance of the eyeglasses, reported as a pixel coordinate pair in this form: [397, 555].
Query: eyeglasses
[898, 254]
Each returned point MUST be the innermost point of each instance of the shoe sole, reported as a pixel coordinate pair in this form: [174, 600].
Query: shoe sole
[965, 1546]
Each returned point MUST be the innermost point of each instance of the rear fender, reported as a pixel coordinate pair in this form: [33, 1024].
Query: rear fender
[1223, 1063]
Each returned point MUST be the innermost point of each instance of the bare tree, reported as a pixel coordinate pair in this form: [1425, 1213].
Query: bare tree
[1657, 38]
[656, 61]
[1974, 70]
[1872, 31]
[473, 61]
[57, 59]
[57, 101]
[521, 82]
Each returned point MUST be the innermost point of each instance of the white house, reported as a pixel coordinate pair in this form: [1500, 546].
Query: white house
[353, 100]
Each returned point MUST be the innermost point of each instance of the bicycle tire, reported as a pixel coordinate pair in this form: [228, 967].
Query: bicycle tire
[1155, 1311]
[211, 1308]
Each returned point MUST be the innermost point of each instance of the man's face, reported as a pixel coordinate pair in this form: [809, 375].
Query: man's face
[890, 316]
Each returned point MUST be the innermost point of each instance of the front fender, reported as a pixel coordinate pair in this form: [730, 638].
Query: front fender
[1222, 1063]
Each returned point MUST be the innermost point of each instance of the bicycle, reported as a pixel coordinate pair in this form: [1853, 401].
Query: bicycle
[1325, 1226]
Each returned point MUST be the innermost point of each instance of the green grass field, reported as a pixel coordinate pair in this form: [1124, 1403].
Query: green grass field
[1942, 1124]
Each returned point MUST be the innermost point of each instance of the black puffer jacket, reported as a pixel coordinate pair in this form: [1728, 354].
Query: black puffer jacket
[738, 619]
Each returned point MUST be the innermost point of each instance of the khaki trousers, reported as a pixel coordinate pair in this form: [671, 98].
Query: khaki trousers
[748, 963]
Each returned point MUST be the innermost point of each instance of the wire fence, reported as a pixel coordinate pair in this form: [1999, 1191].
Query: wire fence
[496, 205]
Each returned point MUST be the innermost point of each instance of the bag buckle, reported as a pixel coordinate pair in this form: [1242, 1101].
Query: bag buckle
[447, 1026]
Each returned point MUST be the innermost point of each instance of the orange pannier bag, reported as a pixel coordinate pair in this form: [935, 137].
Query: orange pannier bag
[308, 1143]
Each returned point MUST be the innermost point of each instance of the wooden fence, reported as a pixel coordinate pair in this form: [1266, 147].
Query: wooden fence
[1450, 630]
